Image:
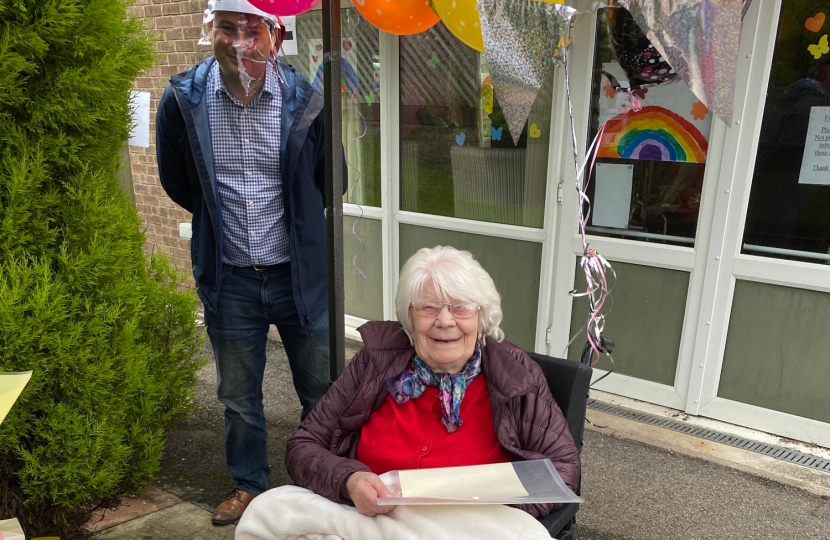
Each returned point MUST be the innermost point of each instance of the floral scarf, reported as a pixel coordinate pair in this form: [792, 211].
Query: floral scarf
[451, 387]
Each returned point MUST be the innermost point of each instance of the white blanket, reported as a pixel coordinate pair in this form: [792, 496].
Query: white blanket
[294, 513]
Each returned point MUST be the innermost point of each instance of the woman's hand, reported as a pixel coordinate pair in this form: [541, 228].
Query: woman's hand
[364, 488]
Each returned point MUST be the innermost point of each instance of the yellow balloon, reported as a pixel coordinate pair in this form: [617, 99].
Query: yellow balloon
[461, 18]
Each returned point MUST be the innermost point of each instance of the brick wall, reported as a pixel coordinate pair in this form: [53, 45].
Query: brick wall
[177, 24]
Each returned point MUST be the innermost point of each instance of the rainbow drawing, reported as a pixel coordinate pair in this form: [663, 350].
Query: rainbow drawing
[655, 134]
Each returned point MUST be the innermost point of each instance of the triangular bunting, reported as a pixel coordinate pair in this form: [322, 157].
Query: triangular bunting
[700, 39]
[521, 39]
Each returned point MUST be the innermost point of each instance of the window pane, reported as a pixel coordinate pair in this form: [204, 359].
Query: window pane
[457, 155]
[776, 350]
[363, 267]
[359, 90]
[787, 215]
[648, 176]
[644, 297]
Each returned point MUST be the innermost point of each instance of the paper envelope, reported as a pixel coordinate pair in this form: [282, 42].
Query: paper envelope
[11, 385]
[10, 529]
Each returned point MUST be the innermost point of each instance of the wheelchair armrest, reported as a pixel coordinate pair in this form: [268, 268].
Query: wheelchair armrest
[560, 519]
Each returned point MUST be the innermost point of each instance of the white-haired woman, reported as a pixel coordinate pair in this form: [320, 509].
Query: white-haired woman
[438, 388]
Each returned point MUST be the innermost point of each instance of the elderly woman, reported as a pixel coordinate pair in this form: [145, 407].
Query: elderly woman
[439, 388]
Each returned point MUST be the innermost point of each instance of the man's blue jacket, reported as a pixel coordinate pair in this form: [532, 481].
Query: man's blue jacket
[185, 162]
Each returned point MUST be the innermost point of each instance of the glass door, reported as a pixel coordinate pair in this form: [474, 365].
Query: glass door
[646, 192]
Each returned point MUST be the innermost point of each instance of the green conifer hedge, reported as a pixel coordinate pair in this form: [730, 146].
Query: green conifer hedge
[108, 333]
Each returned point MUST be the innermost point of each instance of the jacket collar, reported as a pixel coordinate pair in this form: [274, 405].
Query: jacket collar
[501, 362]
[192, 83]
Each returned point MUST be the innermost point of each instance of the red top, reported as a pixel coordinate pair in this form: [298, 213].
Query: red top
[411, 435]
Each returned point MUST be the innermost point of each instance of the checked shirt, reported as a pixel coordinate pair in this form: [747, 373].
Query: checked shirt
[246, 156]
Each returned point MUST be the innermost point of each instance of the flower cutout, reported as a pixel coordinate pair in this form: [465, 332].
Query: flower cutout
[699, 110]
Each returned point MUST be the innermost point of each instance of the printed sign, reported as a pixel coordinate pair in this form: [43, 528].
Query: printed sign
[140, 104]
[289, 43]
[815, 165]
[612, 195]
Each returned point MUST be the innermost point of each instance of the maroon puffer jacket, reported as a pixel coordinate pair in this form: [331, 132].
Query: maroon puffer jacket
[528, 422]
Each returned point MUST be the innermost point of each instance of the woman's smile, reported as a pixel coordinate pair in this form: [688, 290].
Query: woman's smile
[445, 340]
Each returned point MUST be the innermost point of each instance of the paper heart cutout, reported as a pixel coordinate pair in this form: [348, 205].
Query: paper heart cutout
[370, 99]
[495, 134]
[814, 24]
[347, 45]
[460, 138]
[534, 131]
[318, 47]
[314, 59]
[819, 49]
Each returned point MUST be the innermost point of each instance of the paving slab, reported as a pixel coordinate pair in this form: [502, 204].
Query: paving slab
[153, 500]
[183, 521]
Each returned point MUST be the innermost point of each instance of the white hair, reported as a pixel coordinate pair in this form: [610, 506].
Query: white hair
[454, 274]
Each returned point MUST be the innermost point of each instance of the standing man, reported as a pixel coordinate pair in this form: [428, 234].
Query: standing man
[240, 145]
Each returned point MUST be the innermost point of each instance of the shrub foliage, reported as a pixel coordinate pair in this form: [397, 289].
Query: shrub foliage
[107, 331]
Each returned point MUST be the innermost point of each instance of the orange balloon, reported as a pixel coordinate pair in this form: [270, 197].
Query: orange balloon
[402, 17]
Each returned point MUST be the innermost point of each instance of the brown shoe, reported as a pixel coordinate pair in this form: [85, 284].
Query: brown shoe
[231, 509]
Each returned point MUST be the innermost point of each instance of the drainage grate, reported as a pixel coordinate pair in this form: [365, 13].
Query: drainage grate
[778, 452]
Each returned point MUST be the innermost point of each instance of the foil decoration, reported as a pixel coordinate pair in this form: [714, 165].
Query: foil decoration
[636, 55]
[522, 38]
[700, 39]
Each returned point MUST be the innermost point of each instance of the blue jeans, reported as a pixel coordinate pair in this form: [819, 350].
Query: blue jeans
[249, 301]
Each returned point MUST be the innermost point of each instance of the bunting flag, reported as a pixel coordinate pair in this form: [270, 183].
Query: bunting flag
[521, 40]
[700, 39]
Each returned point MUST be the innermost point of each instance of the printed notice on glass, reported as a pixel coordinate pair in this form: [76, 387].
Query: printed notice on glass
[612, 195]
[289, 43]
[815, 165]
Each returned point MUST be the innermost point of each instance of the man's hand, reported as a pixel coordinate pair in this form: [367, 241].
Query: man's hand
[364, 488]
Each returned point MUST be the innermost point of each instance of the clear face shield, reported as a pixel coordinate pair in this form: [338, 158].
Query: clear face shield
[207, 28]
[248, 38]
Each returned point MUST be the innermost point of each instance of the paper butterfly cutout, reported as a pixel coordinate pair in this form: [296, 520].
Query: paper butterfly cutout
[433, 62]
[495, 134]
[370, 99]
[821, 48]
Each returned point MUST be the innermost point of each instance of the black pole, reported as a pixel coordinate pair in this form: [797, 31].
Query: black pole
[334, 185]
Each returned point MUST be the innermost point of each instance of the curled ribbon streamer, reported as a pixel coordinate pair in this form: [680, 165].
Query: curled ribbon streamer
[630, 103]
[594, 265]
[357, 271]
